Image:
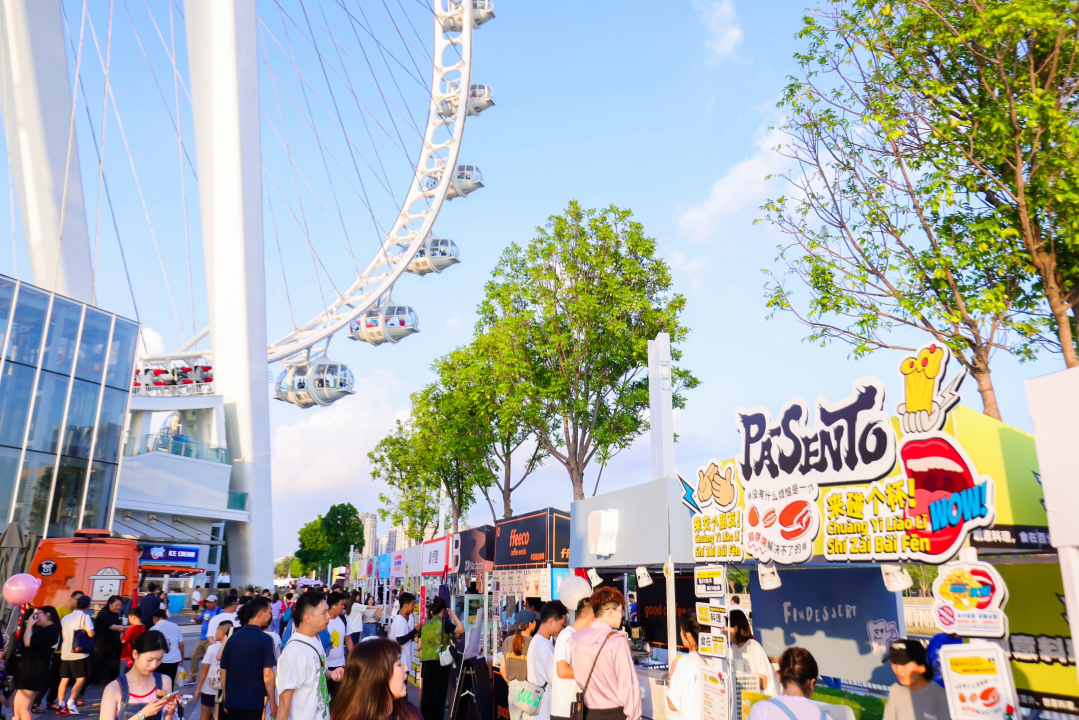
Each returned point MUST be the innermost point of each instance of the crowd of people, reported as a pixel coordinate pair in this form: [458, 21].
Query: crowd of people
[321, 655]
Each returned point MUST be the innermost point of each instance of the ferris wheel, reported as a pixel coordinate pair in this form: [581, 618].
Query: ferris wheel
[362, 307]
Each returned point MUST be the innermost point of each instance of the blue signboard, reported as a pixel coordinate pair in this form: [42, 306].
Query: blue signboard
[844, 616]
[170, 555]
[384, 565]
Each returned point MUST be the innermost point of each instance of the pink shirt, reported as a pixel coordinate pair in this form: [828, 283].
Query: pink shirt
[614, 683]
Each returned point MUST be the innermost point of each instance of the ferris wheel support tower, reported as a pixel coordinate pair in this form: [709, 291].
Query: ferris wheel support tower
[36, 102]
[223, 65]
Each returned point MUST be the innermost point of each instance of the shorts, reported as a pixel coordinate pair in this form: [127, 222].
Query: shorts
[73, 669]
[208, 699]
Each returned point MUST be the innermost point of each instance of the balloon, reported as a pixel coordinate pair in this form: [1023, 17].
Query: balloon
[21, 589]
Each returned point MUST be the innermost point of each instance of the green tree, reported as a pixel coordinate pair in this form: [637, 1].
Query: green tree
[344, 529]
[923, 577]
[412, 501]
[569, 317]
[496, 418]
[296, 568]
[314, 550]
[282, 566]
[451, 444]
[884, 234]
[993, 85]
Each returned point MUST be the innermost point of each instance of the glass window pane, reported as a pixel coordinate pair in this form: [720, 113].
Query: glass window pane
[99, 496]
[110, 425]
[16, 386]
[28, 325]
[80, 419]
[7, 292]
[48, 413]
[95, 339]
[35, 482]
[122, 354]
[9, 470]
[67, 497]
[63, 332]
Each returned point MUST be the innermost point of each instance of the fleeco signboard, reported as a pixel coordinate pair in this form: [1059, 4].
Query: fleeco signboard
[533, 540]
[435, 556]
[170, 555]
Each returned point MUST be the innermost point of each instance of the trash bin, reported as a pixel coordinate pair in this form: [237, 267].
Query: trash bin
[177, 603]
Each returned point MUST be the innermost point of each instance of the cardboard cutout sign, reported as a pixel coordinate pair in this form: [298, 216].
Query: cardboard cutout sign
[978, 682]
[969, 600]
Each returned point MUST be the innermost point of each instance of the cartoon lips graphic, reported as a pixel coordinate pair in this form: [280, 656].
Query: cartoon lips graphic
[795, 519]
[938, 470]
[754, 516]
[990, 697]
[770, 518]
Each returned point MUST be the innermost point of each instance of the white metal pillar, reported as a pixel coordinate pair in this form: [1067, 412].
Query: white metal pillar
[37, 119]
[661, 419]
[222, 60]
[1054, 408]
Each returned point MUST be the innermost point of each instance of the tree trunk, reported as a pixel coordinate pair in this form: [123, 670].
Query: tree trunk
[507, 488]
[985, 383]
[456, 515]
[576, 476]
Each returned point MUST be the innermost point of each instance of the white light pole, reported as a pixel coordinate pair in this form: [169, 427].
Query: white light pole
[661, 418]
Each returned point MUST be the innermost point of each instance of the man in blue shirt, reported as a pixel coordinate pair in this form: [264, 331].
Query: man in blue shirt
[148, 605]
[247, 665]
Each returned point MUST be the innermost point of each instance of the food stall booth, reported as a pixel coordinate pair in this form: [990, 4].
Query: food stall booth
[471, 562]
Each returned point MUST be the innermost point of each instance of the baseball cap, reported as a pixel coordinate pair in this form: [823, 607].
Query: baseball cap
[524, 617]
[905, 651]
[211, 598]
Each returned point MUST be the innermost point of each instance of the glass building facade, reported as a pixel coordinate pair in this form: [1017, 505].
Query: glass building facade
[65, 379]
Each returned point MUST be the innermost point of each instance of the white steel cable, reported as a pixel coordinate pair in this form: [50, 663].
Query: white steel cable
[281, 259]
[180, 150]
[70, 143]
[171, 55]
[284, 89]
[321, 151]
[157, 84]
[105, 182]
[101, 152]
[138, 187]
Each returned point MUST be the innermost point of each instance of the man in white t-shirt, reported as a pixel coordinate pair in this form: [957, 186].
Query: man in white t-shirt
[403, 628]
[212, 657]
[302, 693]
[540, 653]
[564, 688]
[73, 665]
[228, 612]
[196, 601]
[335, 657]
[170, 663]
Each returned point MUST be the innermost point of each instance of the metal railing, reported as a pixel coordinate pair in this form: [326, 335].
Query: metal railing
[206, 388]
[176, 445]
[237, 500]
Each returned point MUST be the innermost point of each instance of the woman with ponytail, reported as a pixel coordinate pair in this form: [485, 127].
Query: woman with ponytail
[798, 678]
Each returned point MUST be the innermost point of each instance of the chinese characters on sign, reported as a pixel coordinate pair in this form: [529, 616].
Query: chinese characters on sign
[978, 682]
[717, 521]
[969, 600]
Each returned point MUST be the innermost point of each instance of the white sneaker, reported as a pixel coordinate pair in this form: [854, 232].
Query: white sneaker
[72, 708]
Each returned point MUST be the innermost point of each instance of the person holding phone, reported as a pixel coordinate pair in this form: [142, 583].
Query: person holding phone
[141, 693]
[32, 673]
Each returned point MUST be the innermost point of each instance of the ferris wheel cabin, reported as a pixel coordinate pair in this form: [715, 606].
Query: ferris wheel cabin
[482, 11]
[388, 323]
[435, 255]
[465, 181]
[319, 381]
[480, 97]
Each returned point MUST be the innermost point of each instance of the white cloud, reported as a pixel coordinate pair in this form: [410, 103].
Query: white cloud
[721, 22]
[151, 342]
[321, 459]
[742, 186]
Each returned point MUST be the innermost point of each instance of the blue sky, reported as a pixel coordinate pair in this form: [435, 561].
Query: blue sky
[664, 109]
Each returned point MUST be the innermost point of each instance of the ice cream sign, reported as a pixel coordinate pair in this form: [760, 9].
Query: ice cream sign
[846, 476]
